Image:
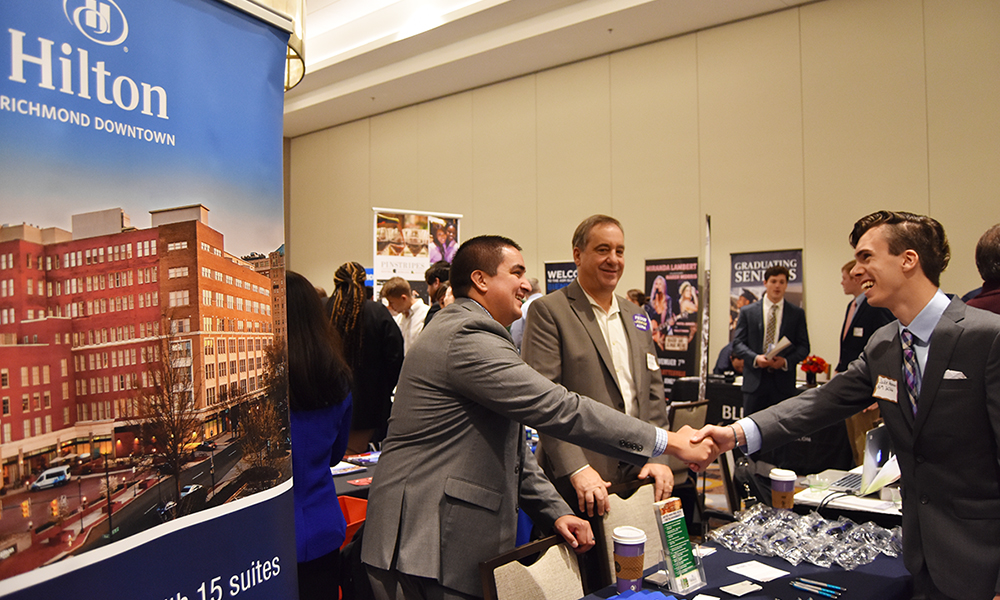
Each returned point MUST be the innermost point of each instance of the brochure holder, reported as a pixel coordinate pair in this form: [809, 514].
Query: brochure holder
[680, 569]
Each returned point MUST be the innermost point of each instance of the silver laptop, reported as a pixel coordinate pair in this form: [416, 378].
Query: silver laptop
[878, 452]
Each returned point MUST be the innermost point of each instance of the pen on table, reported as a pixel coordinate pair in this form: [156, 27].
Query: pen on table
[811, 588]
[821, 584]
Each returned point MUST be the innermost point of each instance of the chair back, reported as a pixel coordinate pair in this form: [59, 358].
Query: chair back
[635, 510]
[555, 575]
[680, 414]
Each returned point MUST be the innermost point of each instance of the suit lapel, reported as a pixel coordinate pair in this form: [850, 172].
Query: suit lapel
[581, 307]
[943, 341]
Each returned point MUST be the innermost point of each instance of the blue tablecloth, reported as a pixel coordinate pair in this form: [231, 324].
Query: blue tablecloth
[883, 579]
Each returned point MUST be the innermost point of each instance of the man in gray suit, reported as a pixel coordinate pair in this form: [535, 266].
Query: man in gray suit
[936, 377]
[455, 467]
[598, 344]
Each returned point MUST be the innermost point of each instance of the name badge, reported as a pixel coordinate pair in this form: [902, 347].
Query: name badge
[885, 389]
[859, 332]
[651, 363]
[641, 322]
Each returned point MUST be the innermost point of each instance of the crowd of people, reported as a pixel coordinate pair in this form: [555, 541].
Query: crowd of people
[445, 390]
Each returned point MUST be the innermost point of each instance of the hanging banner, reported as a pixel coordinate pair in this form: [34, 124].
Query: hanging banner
[747, 279]
[142, 436]
[672, 307]
[558, 275]
[406, 243]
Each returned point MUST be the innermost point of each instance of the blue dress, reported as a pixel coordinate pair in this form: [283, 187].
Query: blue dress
[318, 436]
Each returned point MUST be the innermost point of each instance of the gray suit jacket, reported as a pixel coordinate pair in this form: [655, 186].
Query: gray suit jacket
[455, 467]
[948, 454]
[563, 342]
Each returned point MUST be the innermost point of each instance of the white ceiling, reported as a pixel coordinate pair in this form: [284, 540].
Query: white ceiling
[365, 57]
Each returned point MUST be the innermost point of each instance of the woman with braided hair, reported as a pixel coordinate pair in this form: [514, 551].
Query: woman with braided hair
[373, 349]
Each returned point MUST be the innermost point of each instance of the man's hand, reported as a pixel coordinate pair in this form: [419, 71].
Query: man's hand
[576, 532]
[663, 479]
[723, 437]
[761, 362]
[591, 491]
[778, 363]
[698, 455]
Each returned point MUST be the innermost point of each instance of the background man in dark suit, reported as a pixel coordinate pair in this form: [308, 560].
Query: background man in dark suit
[861, 320]
[988, 263]
[761, 325]
[455, 466]
[936, 376]
[597, 344]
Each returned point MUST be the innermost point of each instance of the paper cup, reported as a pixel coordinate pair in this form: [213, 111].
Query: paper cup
[629, 548]
[782, 488]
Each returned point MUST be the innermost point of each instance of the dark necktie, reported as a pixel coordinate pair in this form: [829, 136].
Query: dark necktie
[911, 368]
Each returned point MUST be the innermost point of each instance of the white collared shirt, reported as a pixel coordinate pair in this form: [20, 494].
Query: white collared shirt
[613, 330]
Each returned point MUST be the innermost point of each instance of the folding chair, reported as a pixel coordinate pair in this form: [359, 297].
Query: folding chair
[555, 575]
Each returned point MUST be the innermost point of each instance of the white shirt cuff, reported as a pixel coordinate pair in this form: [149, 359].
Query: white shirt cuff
[752, 434]
[661, 442]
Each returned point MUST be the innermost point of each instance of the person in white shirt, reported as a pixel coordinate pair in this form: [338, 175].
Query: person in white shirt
[517, 327]
[410, 311]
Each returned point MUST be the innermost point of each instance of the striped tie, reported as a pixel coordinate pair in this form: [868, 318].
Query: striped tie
[772, 325]
[911, 369]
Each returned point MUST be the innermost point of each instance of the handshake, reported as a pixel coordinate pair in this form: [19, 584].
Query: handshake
[700, 447]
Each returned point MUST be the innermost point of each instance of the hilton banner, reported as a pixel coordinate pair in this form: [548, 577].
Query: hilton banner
[143, 439]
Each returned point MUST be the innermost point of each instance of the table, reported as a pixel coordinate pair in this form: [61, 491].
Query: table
[357, 491]
[858, 509]
[883, 579]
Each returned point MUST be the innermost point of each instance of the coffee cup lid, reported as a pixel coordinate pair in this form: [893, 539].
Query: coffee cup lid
[627, 534]
[783, 475]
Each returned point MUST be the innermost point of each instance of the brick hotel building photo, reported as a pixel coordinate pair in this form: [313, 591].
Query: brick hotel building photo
[83, 314]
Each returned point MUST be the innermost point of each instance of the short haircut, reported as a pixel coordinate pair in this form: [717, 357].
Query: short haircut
[582, 234]
[988, 254]
[777, 270]
[849, 266]
[395, 287]
[907, 231]
[482, 253]
[536, 288]
[438, 271]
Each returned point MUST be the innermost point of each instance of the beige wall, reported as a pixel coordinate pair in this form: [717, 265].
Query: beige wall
[785, 129]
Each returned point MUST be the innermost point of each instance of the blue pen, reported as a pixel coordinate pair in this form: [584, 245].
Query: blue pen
[821, 584]
[815, 590]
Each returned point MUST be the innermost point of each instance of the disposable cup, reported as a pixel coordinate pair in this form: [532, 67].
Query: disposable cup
[782, 488]
[629, 545]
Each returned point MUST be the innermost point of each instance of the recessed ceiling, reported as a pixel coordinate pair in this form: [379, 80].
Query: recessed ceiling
[365, 57]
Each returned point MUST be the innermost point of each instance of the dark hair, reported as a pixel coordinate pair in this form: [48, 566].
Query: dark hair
[440, 292]
[317, 374]
[777, 270]
[482, 253]
[438, 270]
[347, 302]
[582, 233]
[907, 231]
[637, 296]
[988, 254]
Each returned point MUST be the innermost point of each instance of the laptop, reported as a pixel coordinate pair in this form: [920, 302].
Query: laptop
[878, 470]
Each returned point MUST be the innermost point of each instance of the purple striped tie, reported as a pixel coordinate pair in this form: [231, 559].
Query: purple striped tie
[911, 369]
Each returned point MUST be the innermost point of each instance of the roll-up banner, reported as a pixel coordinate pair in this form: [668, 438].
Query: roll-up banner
[143, 437]
[747, 279]
[672, 306]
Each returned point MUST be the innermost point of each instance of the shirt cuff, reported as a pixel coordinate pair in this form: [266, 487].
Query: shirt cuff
[752, 434]
[578, 470]
[661, 442]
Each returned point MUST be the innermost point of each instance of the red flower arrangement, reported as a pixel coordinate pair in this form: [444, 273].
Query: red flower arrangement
[814, 364]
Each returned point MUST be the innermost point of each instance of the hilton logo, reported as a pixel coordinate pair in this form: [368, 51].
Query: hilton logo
[101, 21]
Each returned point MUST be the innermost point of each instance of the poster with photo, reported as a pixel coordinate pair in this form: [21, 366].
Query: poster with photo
[747, 279]
[672, 306]
[408, 242]
[143, 420]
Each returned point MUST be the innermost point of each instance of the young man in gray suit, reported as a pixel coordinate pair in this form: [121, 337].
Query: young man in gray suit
[455, 467]
[935, 374]
[598, 344]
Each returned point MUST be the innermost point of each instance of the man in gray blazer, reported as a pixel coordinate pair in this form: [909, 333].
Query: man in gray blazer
[455, 467]
[598, 344]
[936, 377]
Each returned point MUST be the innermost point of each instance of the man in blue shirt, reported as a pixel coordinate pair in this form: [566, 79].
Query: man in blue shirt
[936, 377]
